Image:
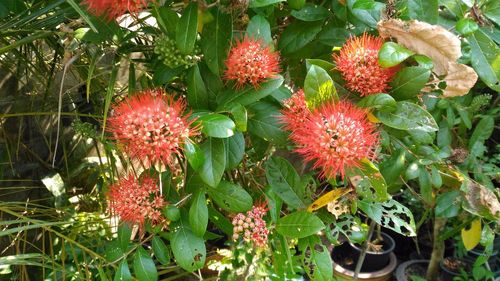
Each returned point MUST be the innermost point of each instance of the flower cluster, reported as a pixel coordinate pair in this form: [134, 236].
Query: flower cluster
[358, 64]
[249, 62]
[170, 55]
[151, 126]
[134, 201]
[251, 227]
[112, 9]
[335, 136]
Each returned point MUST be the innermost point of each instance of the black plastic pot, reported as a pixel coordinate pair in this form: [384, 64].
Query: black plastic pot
[447, 274]
[374, 261]
[401, 271]
[404, 245]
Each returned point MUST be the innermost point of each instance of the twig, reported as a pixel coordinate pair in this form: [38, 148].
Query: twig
[363, 250]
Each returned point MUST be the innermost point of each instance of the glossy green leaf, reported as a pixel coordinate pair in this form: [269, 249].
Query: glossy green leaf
[482, 131]
[144, 266]
[368, 181]
[187, 29]
[384, 102]
[160, 250]
[393, 167]
[198, 214]
[409, 81]
[167, 19]
[235, 150]
[216, 125]
[264, 122]
[263, 3]
[215, 161]
[240, 116]
[392, 54]
[408, 116]
[231, 197]
[466, 26]
[366, 11]
[188, 249]
[216, 40]
[311, 12]
[425, 184]
[423, 10]
[197, 94]
[485, 58]
[124, 234]
[194, 155]
[285, 182]
[297, 35]
[318, 87]
[448, 204]
[299, 224]
[390, 214]
[259, 28]
[123, 272]
[249, 94]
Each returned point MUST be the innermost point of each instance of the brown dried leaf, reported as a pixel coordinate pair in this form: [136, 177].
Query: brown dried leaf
[459, 80]
[337, 208]
[481, 201]
[433, 41]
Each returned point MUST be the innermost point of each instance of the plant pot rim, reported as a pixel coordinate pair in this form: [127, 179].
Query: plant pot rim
[400, 271]
[386, 236]
[365, 275]
[447, 270]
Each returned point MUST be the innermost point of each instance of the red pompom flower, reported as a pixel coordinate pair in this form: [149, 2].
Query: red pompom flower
[335, 136]
[151, 126]
[358, 64]
[250, 62]
[135, 201]
[112, 9]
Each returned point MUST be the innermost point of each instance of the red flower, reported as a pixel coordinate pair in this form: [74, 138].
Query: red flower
[112, 9]
[250, 62]
[251, 227]
[136, 201]
[296, 112]
[335, 136]
[150, 126]
[358, 64]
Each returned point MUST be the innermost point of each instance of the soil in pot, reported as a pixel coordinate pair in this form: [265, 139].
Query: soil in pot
[408, 269]
[377, 257]
[452, 267]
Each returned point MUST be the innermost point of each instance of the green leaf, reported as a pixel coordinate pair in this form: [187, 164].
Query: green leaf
[235, 150]
[390, 214]
[299, 224]
[408, 116]
[424, 180]
[393, 167]
[249, 95]
[263, 3]
[482, 131]
[264, 122]
[424, 61]
[259, 28]
[216, 125]
[311, 12]
[368, 181]
[297, 35]
[485, 58]
[188, 249]
[198, 214]
[167, 19]
[215, 161]
[448, 204]
[216, 40]
[144, 266]
[124, 234]
[231, 197]
[285, 182]
[318, 87]
[366, 11]
[240, 116]
[187, 29]
[423, 10]
[123, 272]
[392, 54]
[466, 26]
[408, 82]
[384, 102]
[220, 220]
[197, 94]
[160, 250]
[194, 155]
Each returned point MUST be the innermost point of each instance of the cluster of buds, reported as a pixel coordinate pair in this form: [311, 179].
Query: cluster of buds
[251, 227]
[172, 57]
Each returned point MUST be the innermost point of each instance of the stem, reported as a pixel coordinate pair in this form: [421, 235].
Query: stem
[363, 250]
[437, 250]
